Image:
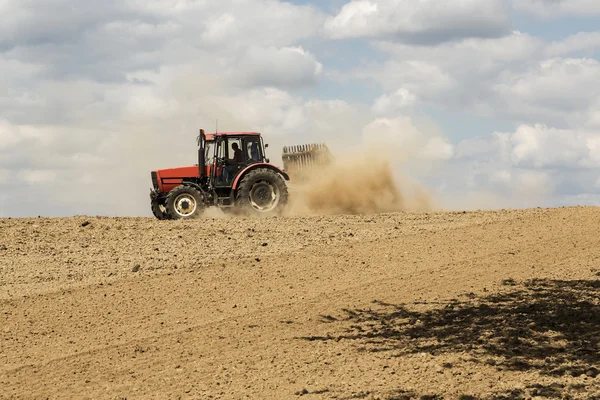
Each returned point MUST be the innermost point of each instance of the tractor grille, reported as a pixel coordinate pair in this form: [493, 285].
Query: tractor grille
[154, 180]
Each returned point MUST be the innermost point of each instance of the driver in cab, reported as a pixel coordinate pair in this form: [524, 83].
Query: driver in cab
[238, 157]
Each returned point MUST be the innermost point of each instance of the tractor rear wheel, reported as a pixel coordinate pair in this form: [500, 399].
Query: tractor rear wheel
[262, 192]
[184, 202]
[159, 210]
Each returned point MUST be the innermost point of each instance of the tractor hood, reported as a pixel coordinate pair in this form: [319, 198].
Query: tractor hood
[179, 172]
[164, 180]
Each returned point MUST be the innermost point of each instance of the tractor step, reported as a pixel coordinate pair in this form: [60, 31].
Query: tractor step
[225, 202]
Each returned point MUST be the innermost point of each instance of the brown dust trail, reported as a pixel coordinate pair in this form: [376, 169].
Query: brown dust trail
[355, 185]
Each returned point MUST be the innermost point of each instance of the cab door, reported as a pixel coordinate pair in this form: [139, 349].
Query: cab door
[253, 150]
[231, 159]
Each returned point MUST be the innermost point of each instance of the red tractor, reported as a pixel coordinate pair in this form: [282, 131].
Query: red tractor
[232, 173]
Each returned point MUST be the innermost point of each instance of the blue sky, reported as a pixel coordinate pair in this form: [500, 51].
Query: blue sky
[486, 103]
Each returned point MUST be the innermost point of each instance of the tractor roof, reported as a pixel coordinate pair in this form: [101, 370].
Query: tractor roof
[211, 136]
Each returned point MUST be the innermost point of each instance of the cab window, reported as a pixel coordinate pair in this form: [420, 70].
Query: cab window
[234, 147]
[252, 150]
[209, 153]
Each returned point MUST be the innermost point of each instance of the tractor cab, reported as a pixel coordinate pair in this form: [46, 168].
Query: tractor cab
[232, 153]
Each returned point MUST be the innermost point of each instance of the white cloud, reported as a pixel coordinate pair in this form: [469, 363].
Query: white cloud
[148, 103]
[332, 106]
[533, 184]
[287, 66]
[355, 19]
[542, 92]
[542, 147]
[4, 176]
[37, 177]
[457, 75]
[401, 141]
[533, 166]
[593, 119]
[419, 21]
[223, 23]
[105, 43]
[423, 79]
[394, 103]
[558, 8]
[590, 199]
[220, 29]
[437, 148]
[586, 43]
[471, 54]
[238, 24]
[508, 78]
[535, 147]
[9, 135]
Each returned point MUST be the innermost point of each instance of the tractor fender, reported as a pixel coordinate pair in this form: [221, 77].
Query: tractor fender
[195, 186]
[255, 166]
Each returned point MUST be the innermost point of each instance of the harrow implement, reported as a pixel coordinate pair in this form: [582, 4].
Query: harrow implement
[300, 160]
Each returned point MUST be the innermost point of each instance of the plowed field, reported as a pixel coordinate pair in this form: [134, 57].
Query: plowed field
[476, 305]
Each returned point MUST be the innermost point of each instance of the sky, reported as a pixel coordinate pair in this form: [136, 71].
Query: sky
[487, 103]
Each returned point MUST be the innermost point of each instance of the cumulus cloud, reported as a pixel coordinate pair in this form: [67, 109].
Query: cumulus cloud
[4, 176]
[557, 8]
[9, 135]
[401, 141]
[105, 41]
[542, 147]
[419, 21]
[485, 54]
[593, 119]
[287, 66]
[533, 166]
[423, 79]
[457, 74]
[37, 177]
[584, 43]
[394, 103]
[512, 77]
[541, 93]
[535, 147]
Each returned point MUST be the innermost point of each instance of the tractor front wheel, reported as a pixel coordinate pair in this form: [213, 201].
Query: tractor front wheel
[184, 202]
[159, 210]
[262, 192]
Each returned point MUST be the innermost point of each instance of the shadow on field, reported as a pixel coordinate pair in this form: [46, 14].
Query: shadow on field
[553, 391]
[551, 326]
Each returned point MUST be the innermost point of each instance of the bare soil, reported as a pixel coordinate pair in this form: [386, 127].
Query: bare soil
[476, 305]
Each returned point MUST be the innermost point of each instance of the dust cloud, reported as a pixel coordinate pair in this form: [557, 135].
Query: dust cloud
[356, 184]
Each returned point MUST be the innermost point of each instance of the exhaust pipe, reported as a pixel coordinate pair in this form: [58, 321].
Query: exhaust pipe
[201, 155]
